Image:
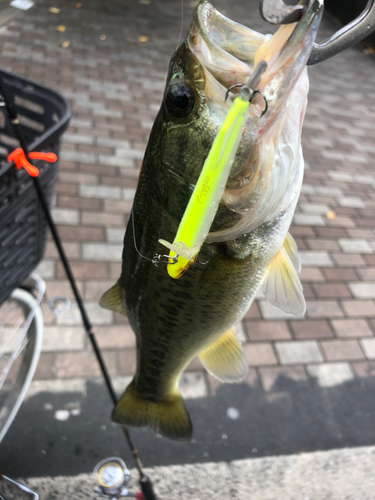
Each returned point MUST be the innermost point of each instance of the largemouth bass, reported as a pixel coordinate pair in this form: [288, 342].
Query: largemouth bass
[248, 245]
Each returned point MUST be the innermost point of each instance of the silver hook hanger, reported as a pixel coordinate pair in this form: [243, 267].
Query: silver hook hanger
[277, 12]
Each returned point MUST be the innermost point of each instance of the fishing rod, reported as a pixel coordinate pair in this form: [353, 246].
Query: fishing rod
[24, 159]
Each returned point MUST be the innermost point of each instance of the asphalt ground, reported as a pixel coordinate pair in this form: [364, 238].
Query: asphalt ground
[297, 418]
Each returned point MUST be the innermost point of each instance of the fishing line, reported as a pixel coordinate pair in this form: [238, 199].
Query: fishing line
[182, 20]
[158, 258]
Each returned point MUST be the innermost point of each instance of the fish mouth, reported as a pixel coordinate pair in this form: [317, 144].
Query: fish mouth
[230, 51]
[267, 172]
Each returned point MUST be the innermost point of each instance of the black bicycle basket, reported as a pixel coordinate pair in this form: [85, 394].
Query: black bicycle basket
[44, 116]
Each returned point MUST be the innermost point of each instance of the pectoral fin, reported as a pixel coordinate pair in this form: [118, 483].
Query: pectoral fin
[112, 300]
[281, 285]
[225, 358]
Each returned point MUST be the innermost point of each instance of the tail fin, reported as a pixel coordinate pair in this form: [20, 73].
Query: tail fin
[168, 417]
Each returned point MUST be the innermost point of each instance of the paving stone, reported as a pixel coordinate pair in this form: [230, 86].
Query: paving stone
[355, 246]
[331, 290]
[100, 191]
[359, 308]
[368, 346]
[296, 231]
[127, 361]
[311, 329]
[331, 374]
[79, 365]
[364, 369]
[341, 350]
[46, 269]
[115, 336]
[195, 365]
[78, 138]
[82, 270]
[65, 216]
[339, 274]
[102, 252]
[240, 332]
[97, 315]
[280, 378]
[270, 330]
[68, 338]
[328, 191]
[340, 176]
[260, 354]
[346, 222]
[113, 143]
[360, 233]
[253, 312]
[45, 369]
[114, 206]
[323, 309]
[351, 201]
[102, 219]
[315, 259]
[311, 274]
[362, 290]
[343, 260]
[80, 123]
[77, 156]
[320, 244]
[115, 235]
[308, 220]
[351, 328]
[128, 193]
[367, 274]
[296, 352]
[214, 385]
[116, 161]
[271, 312]
[193, 385]
[314, 208]
[61, 287]
[78, 177]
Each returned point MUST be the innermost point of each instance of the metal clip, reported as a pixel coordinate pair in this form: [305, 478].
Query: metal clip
[277, 12]
[349, 35]
[164, 259]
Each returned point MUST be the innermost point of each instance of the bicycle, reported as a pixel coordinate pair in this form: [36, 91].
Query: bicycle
[21, 336]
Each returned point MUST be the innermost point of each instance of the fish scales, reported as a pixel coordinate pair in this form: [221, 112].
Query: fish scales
[248, 245]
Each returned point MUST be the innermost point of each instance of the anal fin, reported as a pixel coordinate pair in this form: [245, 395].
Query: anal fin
[281, 285]
[112, 299]
[225, 358]
[292, 251]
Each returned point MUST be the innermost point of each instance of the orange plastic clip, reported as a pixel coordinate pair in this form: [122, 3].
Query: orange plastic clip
[20, 160]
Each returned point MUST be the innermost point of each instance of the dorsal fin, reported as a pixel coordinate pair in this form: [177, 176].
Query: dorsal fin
[281, 285]
[225, 358]
[112, 299]
[292, 251]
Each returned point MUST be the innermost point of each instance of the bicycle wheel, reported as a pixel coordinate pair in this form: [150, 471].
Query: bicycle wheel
[21, 334]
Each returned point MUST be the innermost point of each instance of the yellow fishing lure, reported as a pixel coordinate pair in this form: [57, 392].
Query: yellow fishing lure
[203, 204]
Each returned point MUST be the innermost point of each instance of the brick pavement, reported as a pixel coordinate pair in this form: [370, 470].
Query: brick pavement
[115, 86]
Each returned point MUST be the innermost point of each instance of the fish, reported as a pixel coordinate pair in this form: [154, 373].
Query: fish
[248, 249]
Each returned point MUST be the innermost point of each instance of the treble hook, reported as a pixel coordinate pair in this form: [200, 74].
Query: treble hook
[248, 91]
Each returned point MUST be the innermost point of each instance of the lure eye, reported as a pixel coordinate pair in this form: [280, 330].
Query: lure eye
[179, 100]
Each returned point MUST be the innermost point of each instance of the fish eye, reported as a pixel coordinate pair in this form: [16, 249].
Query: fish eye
[179, 100]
